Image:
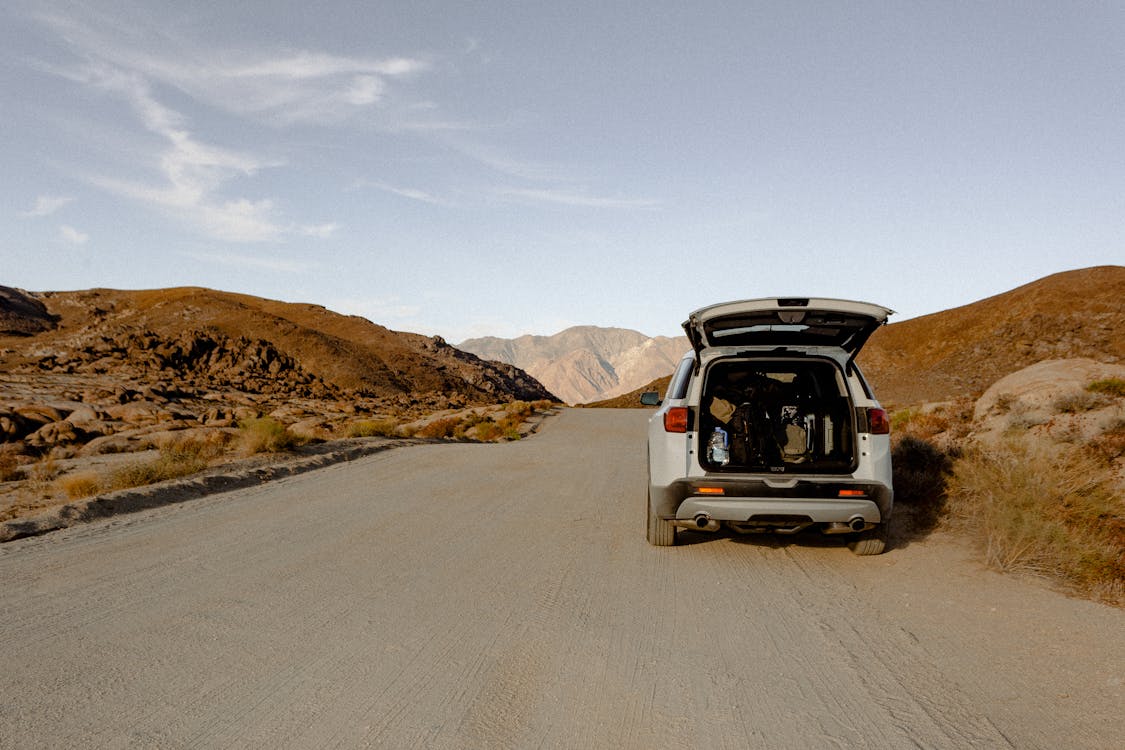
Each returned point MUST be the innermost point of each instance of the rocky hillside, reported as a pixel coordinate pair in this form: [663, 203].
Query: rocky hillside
[212, 339]
[959, 353]
[586, 363]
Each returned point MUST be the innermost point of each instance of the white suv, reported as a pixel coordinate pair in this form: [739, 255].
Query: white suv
[769, 426]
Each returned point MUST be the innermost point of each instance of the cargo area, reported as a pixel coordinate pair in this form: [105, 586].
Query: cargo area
[791, 415]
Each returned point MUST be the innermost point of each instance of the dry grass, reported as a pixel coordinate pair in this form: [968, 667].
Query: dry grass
[487, 431]
[439, 428]
[1040, 509]
[386, 427]
[266, 435]
[77, 486]
[1032, 504]
[950, 420]
[177, 459]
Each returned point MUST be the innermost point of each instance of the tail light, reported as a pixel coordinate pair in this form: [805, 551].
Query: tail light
[677, 419]
[878, 423]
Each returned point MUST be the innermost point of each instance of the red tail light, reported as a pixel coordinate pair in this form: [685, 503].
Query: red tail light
[676, 419]
[878, 423]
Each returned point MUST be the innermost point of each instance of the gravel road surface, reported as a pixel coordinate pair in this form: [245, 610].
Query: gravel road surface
[503, 596]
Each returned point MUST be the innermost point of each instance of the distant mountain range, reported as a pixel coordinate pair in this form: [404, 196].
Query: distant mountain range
[586, 363]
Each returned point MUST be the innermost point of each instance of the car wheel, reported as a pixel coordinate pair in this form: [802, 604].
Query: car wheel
[871, 542]
[661, 533]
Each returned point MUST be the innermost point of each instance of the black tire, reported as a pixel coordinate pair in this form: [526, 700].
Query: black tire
[872, 542]
[660, 533]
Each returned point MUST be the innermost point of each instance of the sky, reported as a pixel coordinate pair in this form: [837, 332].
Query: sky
[501, 168]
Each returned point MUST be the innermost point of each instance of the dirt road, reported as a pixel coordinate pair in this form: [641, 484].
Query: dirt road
[503, 596]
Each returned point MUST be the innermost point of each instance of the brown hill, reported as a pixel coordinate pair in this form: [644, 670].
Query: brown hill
[214, 338]
[960, 352]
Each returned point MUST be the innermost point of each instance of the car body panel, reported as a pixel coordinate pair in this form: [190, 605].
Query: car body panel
[763, 333]
[786, 321]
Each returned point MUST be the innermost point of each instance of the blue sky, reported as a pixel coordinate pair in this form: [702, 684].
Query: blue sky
[500, 168]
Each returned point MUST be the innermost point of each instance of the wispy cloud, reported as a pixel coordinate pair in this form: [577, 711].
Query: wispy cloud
[403, 192]
[72, 235]
[193, 172]
[566, 198]
[195, 176]
[280, 87]
[45, 205]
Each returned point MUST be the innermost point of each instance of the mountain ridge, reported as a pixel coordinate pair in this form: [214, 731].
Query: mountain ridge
[146, 333]
[585, 363]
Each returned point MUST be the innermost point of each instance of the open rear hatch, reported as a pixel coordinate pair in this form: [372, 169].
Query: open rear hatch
[785, 321]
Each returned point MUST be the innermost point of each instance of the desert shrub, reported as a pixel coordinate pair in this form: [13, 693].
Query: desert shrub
[77, 486]
[266, 435]
[44, 470]
[1077, 401]
[919, 424]
[194, 449]
[1109, 445]
[467, 423]
[139, 474]
[488, 430]
[920, 475]
[1048, 512]
[520, 408]
[438, 428]
[178, 459]
[1021, 419]
[373, 428]
[1108, 386]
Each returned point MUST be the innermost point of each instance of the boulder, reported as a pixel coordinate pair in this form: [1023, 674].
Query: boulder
[140, 413]
[14, 427]
[53, 434]
[40, 413]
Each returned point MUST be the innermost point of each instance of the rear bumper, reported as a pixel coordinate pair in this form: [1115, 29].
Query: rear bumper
[822, 500]
[752, 509]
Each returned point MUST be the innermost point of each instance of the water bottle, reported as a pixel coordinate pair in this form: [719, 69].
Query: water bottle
[718, 449]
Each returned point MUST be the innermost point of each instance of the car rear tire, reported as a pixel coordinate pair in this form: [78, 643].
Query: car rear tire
[871, 542]
[660, 533]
